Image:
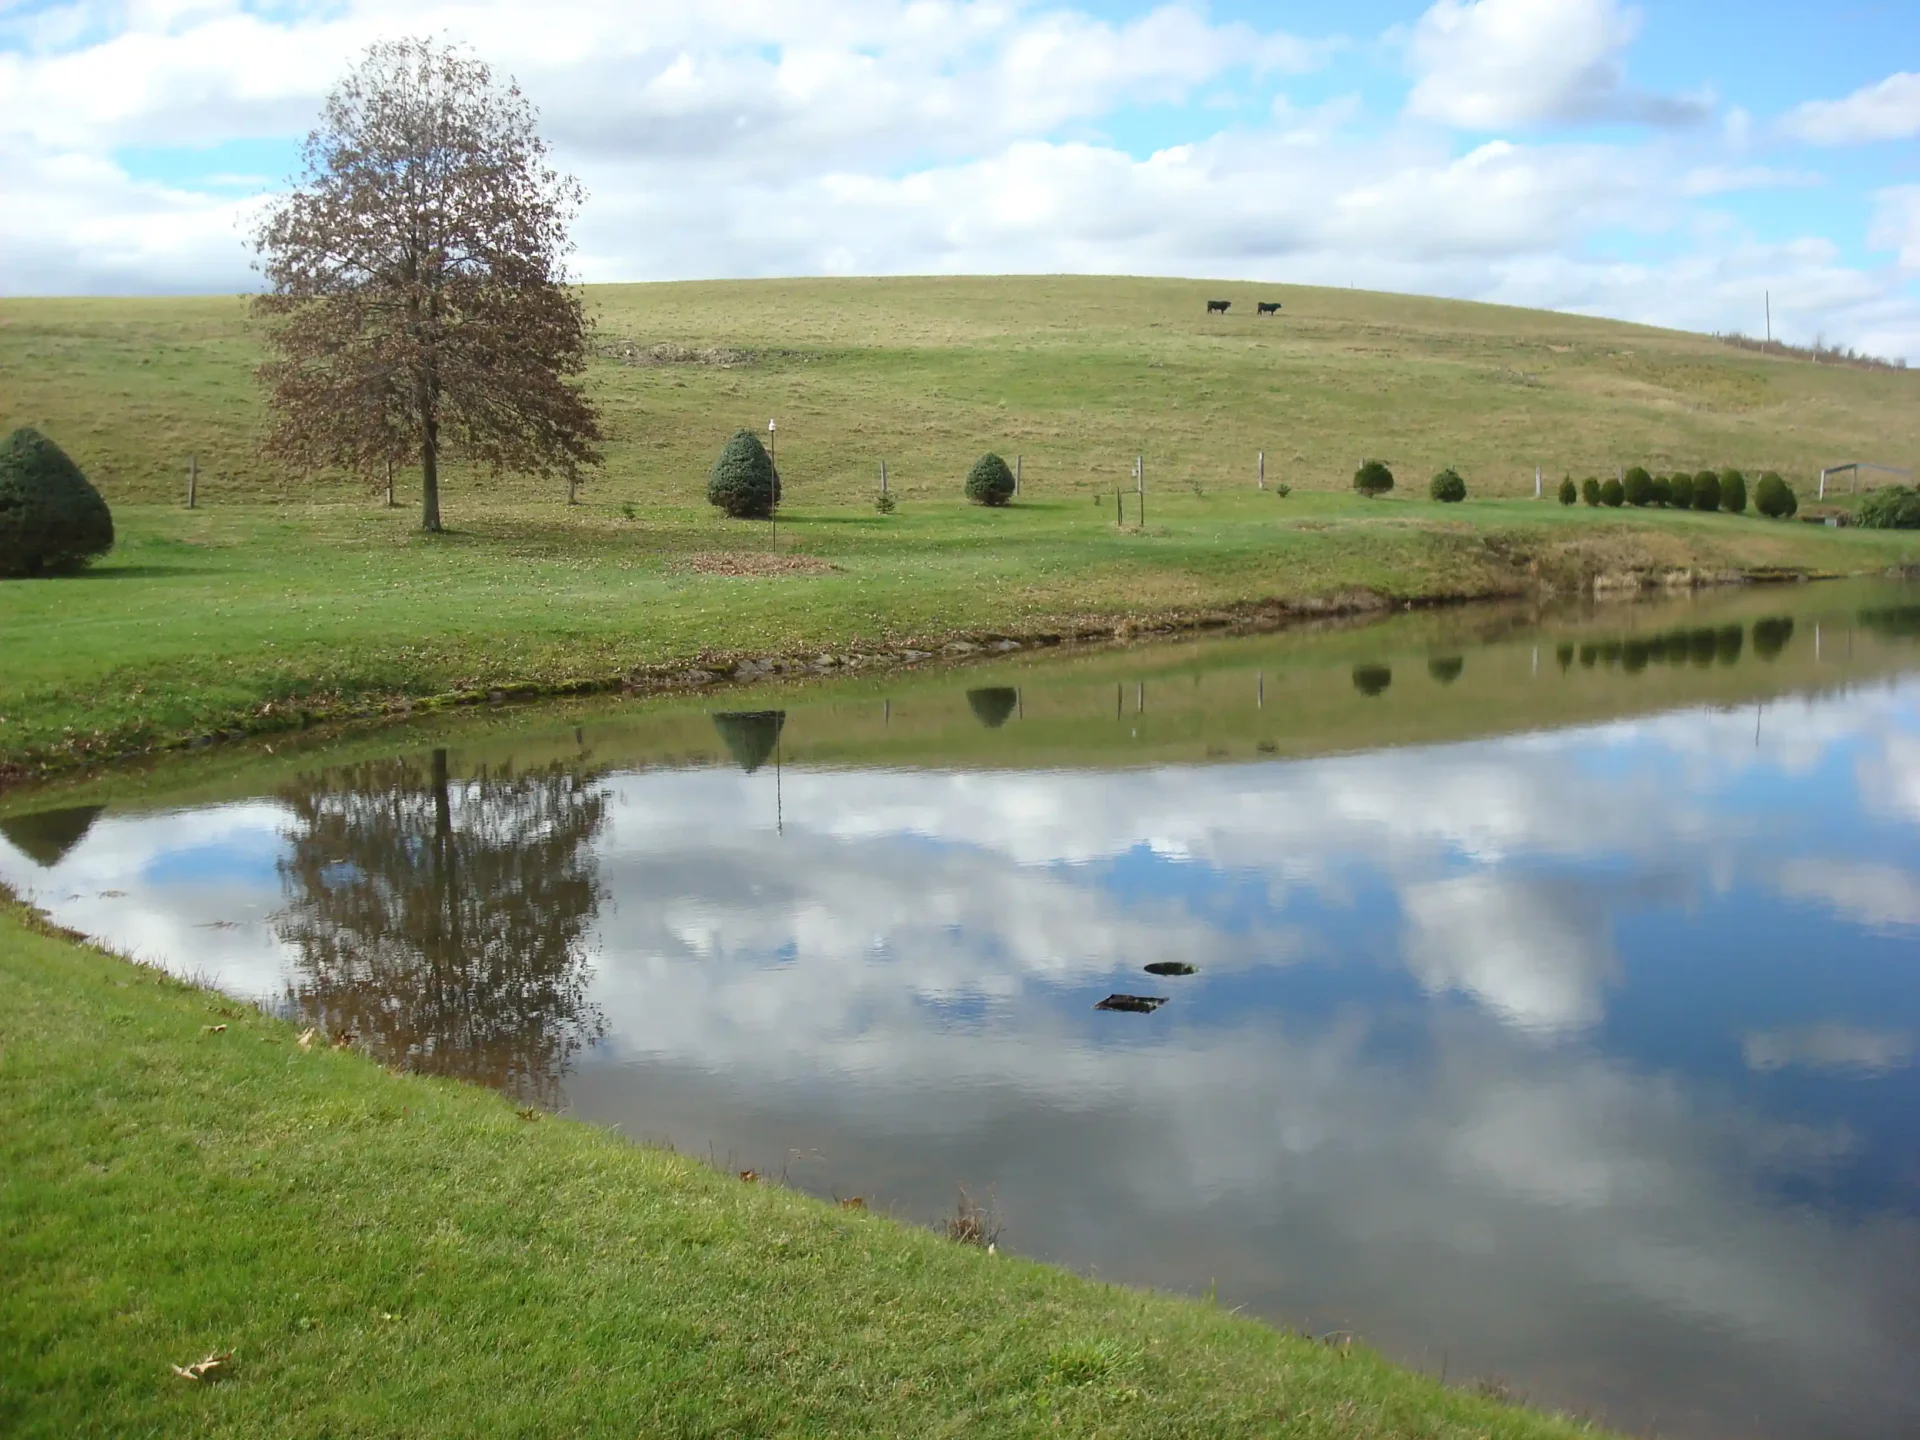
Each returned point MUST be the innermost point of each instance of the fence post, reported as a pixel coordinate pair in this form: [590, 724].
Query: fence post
[1261, 482]
[389, 482]
[193, 481]
[1140, 488]
[883, 477]
[1016, 474]
[1536, 482]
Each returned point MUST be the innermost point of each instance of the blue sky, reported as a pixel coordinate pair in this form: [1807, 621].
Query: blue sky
[1668, 163]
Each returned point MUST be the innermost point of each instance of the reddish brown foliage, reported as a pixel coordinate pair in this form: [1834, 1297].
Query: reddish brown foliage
[417, 292]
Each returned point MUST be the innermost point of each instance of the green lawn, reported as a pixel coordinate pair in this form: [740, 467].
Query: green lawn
[390, 1255]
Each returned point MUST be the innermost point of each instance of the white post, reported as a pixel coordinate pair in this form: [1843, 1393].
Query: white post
[1261, 482]
[1536, 482]
[883, 477]
[1823, 482]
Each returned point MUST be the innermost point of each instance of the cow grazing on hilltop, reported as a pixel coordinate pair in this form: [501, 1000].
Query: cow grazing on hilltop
[1268, 307]
[1218, 307]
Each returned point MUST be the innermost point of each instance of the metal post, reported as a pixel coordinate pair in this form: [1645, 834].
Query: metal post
[773, 522]
[193, 480]
[883, 477]
[1140, 487]
[1119, 508]
[1016, 474]
[1260, 690]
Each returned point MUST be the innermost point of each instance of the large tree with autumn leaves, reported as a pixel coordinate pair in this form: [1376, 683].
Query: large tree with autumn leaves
[417, 303]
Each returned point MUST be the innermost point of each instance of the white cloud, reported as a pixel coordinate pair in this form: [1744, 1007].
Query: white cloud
[1844, 1048]
[1491, 64]
[1896, 224]
[1888, 110]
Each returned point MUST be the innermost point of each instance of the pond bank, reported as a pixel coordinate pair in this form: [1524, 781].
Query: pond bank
[185, 1178]
[189, 658]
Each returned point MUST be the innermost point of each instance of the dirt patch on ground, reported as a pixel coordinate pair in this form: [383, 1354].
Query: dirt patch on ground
[746, 564]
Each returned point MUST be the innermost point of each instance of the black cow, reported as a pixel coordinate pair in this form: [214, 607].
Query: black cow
[1268, 307]
[1218, 307]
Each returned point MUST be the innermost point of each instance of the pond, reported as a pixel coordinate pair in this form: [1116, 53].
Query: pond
[1544, 998]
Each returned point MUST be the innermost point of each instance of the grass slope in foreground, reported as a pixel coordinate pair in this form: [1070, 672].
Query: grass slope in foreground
[388, 1254]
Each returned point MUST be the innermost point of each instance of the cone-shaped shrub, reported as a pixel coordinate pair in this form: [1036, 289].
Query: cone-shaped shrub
[1568, 491]
[1639, 486]
[1774, 498]
[749, 735]
[1613, 494]
[1373, 478]
[1590, 490]
[743, 481]
[1733, 491]
[1447, 487]
[1680, 492]
[992, 704]
[990, 481]
[1706, 491]
[51, 520]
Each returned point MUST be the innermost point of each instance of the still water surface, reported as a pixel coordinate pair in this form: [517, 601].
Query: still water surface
[1558, 985]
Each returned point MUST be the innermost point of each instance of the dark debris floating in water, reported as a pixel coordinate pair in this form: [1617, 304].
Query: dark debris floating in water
[1136, 1004]
[1172, 967]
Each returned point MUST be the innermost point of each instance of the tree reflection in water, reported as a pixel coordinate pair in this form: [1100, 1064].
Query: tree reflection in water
[444, 921]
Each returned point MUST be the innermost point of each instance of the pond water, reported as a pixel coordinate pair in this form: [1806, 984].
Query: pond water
[1556, 999]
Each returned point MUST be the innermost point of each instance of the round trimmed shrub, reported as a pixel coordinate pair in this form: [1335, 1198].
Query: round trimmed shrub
[1733, 492]
[990, 481]
[1770, 636]
[1639, 486]
[1373, 478]
[1662, 490]
[1447, 487]
[1568, 491]
[1613, 494]
[52, 521]
[1446, 668]
[1774, 498]
[1371, 679]
[1590, 490]
[1680, 492]
[743, 481]
[1895, 508]
[1706, 491]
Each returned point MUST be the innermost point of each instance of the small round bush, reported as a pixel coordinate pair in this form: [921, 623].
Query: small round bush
[1706, 491]
[1613, 494]
[1590, 490]
[1895, 508]
[1680, 492]
[1447, 487]
[1733, 492]
[1568, 491]
[1662, 490]
[1770, 636]
[51, 520]
[1774, 498]
[1371, 679]
[1639, 486]
[742, 481]
[1446, 668]
[990, 481]
[992, 704]
[1373, 478]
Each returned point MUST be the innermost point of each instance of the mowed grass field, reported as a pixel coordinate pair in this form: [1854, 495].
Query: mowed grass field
[286, 593]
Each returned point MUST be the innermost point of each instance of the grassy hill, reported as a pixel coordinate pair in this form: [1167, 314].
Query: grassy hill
[285, 596]
[1078, 374]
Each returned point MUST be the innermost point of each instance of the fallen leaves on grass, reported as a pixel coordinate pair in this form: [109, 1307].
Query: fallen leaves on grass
[750, 1176]
[853, 1202]
[210, 1368]
[212, 1029]
[747, 564]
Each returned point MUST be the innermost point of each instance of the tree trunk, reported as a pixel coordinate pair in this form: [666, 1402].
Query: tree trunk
[429, 459]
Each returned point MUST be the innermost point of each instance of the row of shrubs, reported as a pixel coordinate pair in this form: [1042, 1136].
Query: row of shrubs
[744, 483]
[1704, 490]
[1699, 647]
